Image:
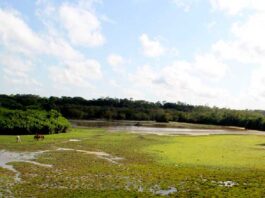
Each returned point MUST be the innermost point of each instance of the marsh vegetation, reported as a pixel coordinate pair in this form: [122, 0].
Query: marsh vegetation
[145, 165]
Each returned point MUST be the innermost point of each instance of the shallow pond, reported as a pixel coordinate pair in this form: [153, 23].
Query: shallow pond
[179, 131]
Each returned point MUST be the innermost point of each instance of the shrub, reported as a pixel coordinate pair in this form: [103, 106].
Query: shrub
[32, 121]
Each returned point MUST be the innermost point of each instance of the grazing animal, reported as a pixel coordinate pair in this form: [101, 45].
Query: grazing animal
[18, 138]
[39, 136]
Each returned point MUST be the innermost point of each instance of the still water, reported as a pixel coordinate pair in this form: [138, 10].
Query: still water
[178, 131]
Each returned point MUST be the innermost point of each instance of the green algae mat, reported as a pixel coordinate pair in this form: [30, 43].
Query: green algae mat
[97, 163]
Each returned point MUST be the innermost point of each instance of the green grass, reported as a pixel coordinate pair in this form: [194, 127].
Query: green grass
[194, 165]
[238, 151]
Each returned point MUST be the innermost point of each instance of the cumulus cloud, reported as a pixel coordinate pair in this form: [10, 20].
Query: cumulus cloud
[183, 4]
[246, 45]
[17, 70]
[16, 35]
[178, 81]
[82, 25]
[151, 48]
[76, 73]
[233, 7]
[208, 64]
[257, 88]
[19, 44]
[26, 48]
[116, 61]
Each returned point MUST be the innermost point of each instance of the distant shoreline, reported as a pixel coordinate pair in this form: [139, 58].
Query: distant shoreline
[168, 129]
[184, 125]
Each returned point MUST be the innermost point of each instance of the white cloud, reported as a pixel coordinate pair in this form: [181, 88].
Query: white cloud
[183, 77]
[114, 83]
[151, 48]
[254, 96]
[24, 47]
[233, 7]
[117, 62]
[178, 81]
[76, 73]
[208, 64]
[248, 42]
[62, 50]
[17, 70]
[144, 75]
[246, 45]
[257, 89]
[19, 46]
[183, 4]
[210, 26]
[134, 94]
[83, 26]
[16, 35]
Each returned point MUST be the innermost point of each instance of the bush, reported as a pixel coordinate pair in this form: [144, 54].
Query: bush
[31, 122]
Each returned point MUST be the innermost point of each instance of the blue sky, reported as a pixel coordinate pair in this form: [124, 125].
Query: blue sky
[196, 51]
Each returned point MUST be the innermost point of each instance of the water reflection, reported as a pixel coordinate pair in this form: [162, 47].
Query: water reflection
[177, 131]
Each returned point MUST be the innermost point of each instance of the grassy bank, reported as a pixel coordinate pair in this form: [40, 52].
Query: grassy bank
[195, 166]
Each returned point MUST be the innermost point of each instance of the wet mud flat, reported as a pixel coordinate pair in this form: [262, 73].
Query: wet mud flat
[7, 157]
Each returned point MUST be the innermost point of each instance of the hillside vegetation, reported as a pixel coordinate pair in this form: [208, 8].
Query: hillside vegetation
[129, 109]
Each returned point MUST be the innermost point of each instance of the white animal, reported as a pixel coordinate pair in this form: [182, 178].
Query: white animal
[18, 139]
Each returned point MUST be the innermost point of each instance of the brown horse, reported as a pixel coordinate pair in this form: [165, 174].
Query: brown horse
[39, 137]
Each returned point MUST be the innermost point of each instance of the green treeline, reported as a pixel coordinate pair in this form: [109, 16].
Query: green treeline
[128, 109]
[14, 122]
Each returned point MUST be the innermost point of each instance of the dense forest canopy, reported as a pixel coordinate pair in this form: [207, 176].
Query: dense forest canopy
[129, 109]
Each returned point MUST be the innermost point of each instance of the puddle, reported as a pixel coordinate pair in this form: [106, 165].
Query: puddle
[180, 131]
[162, 192]
[227, 183]
[74, 140]
[169, 191]
[102, 155]
[6, 157]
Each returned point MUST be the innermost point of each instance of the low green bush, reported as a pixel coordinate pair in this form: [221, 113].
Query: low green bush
[31, 122]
